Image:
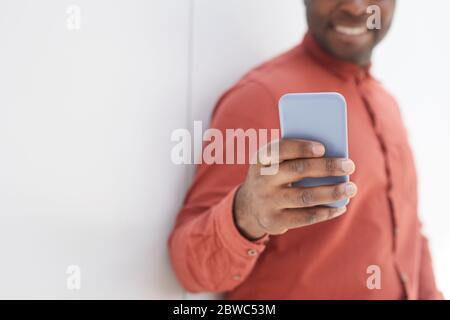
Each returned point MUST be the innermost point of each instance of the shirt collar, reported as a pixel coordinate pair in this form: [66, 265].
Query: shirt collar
[341, 68]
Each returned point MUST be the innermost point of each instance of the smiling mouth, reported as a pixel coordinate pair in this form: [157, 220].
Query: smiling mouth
[351, 31]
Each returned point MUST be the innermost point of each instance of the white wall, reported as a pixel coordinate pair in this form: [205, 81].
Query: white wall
[86, 117]
[85, 124]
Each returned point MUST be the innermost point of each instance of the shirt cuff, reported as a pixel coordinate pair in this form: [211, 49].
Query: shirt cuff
[229, 233]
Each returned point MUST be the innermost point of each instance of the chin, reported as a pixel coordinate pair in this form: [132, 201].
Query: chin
[354, 49]
[361, 57]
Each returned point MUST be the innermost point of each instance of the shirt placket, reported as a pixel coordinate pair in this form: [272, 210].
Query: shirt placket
[388, 171]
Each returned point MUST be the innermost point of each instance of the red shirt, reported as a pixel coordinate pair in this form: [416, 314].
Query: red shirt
[329, 260]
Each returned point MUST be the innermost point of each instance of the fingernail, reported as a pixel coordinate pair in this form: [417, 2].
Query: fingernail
[350, 189]
[347, 165]
[341, 210]
[318, 149]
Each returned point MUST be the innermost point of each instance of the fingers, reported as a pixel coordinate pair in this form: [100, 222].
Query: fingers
[307, 197]
[293, 170]
[295, 218]
[288, 149]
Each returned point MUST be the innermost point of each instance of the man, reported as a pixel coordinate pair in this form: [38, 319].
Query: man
[254, 236]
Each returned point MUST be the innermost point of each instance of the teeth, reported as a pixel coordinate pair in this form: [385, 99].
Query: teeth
[351, 31]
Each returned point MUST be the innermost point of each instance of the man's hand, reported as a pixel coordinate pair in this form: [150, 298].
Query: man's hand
[268, 204]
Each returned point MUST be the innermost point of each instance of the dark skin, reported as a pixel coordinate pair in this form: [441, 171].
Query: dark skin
[268, 204]
[325, 15]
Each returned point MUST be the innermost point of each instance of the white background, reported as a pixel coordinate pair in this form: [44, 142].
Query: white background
[86, 117]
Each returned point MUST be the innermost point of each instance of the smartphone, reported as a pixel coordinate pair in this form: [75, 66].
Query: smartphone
[320, 117]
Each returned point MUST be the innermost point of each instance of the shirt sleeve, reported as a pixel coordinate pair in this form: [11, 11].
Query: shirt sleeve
[427, 284]
[207, 251]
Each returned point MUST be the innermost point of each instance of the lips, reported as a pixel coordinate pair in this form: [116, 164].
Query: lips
[351, 31]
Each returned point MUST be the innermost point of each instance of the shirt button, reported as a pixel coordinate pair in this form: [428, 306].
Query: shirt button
[237, 277]
[396, 231]
[252, 252]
